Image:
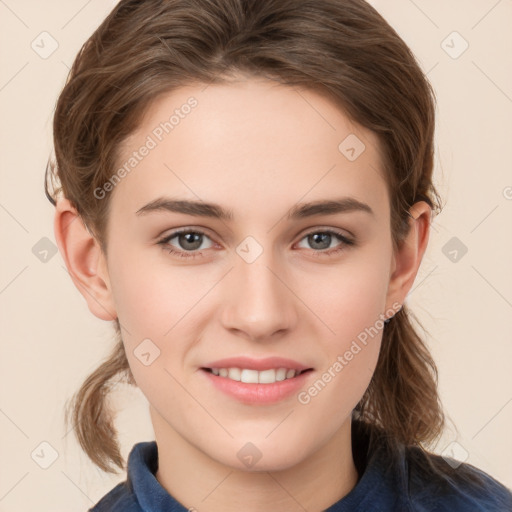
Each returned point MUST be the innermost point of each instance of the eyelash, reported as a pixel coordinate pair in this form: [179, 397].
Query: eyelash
[346, 242]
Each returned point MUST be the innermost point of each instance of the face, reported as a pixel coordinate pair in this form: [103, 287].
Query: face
[276, 277]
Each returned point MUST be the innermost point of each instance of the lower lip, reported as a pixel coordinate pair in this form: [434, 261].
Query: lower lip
[258, 393]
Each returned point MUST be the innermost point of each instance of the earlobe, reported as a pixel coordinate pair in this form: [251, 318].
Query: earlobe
[84, 260]
[409, 255]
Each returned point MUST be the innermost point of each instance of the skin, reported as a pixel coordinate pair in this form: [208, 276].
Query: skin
[257, 148]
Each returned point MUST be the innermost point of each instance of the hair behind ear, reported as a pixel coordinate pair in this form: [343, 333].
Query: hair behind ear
[401, 406]
[92, 417]
[402, 396]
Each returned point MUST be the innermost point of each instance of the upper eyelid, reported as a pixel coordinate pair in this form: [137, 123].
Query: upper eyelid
[180, 231]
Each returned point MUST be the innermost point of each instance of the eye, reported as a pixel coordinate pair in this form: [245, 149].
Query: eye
[189, 241]
[321, 240]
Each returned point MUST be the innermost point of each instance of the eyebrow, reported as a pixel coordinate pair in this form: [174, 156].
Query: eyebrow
[300, 211]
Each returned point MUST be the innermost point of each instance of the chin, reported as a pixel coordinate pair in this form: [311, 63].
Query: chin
[265, 456]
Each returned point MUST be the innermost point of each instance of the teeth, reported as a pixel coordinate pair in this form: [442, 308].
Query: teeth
[254, 376]
[281, 374]
[234, 373]
[249, 376]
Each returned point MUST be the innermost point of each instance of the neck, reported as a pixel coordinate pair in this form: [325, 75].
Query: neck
[202, 483]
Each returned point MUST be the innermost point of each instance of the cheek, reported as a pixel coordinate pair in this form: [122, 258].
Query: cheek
[354, 294]
[157, 304]
[352, 310]
[150, 295]
[351, 306]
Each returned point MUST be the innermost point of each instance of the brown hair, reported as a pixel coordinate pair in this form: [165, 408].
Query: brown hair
[344, 49]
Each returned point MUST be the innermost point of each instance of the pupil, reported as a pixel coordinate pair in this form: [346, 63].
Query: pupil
[321, 236]
[189, 239]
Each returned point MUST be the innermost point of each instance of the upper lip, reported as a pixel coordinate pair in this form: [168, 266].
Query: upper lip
[267, 363]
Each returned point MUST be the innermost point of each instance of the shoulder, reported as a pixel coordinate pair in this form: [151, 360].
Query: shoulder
[426, 482]
[436, 484]
[125, 496]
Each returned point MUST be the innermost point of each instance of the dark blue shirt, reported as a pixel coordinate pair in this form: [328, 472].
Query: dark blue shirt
[390, 480]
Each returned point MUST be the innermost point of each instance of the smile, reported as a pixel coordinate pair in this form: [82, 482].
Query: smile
[249, 376]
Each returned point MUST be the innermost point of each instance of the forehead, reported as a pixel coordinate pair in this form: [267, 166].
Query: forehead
[250, 142]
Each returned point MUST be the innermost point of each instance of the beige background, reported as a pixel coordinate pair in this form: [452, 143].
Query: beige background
[50, 341]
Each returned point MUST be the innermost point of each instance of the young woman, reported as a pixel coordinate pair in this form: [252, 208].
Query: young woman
[244, 187]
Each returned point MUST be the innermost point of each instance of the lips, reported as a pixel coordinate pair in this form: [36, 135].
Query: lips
[258, 393]
[268, 363]
[261, 380]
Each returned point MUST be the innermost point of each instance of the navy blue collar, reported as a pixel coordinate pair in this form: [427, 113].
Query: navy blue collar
[142, 467]
[392, 478]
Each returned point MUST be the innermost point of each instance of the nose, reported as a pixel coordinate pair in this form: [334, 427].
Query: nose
[259, 302]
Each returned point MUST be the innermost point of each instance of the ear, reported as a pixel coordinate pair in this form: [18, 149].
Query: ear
[84, 260]
[407, 259]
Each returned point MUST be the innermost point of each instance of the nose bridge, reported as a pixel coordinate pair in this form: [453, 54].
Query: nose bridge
[259, 302]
